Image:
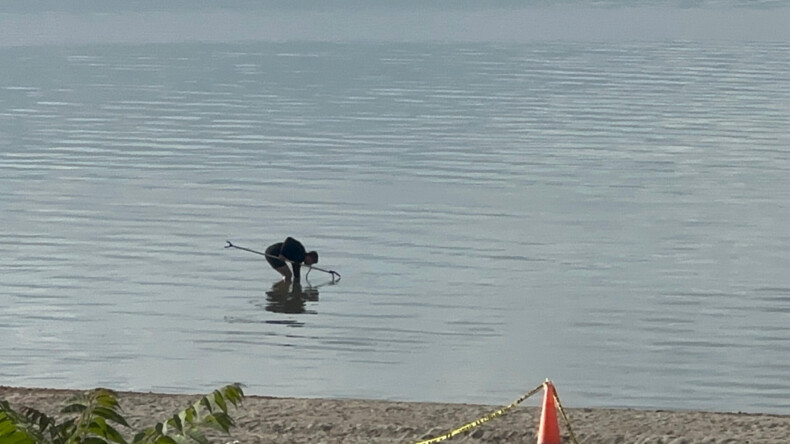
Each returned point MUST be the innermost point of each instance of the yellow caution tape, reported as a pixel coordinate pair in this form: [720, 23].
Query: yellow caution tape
[482, 420]
[567, 421]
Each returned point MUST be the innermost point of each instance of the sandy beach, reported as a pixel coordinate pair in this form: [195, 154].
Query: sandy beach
[287, 420]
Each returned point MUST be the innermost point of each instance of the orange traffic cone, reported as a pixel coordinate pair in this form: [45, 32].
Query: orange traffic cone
[549, 430]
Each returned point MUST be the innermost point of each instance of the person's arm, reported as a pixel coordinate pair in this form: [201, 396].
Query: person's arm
[297, 270]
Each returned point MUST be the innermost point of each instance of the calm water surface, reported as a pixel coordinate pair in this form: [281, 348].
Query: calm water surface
[611, 216]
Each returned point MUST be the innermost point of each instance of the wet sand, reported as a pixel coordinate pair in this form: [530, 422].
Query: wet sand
[288, 420]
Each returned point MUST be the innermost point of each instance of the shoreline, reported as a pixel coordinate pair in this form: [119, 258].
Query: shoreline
[306, 420]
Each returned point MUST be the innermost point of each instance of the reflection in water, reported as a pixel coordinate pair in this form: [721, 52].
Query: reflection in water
[285, 297]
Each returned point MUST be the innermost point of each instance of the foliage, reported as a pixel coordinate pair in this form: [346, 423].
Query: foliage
[91, 418]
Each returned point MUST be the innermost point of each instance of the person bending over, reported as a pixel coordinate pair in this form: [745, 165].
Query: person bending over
[292, 250]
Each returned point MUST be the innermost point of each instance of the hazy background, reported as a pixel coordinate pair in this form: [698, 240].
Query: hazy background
[53, 22]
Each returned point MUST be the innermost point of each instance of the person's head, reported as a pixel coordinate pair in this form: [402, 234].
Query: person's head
[311, 258]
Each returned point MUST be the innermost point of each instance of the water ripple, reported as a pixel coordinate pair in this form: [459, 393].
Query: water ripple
[619, 207]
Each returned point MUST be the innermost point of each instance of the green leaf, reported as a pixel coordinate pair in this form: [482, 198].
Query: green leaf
[175, 421]
[92, 440]
[105, 398]
[65, 429]
[197, 436]
[206, 403]
[103, 429]
[233, 393]
[110, 414]
[100, 427]
[207, 412]
[37, 418]
[217, 421]
[18, 439]
[145, 436]
[16, 428]
[220, 401]
[74, 408]
[224, 420]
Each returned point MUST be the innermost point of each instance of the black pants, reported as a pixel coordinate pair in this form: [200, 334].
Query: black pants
[271, 255]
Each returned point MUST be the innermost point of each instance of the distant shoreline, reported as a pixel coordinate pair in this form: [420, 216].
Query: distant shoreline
[294, 420]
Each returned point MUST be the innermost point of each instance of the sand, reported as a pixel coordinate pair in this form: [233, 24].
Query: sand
[287, 420]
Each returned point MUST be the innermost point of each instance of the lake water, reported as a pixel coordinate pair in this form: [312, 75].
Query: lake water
[613, 216]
